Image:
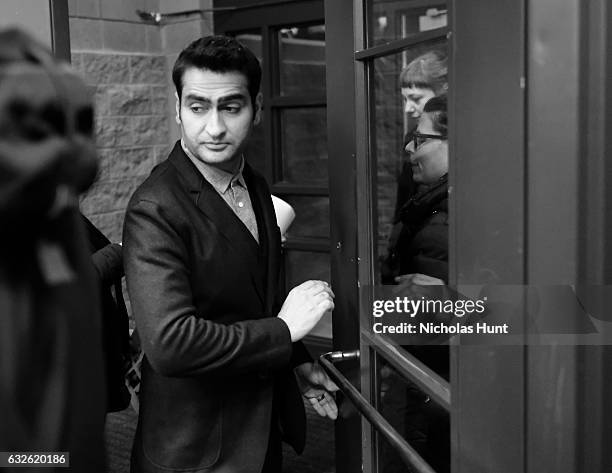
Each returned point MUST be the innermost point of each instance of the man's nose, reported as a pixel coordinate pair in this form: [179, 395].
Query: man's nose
[215, 125]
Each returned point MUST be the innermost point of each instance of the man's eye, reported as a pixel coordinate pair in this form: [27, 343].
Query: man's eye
[196, 108]
[232, 109]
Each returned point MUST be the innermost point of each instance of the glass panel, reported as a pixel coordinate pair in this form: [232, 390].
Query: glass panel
[255, 149]
[311, 216]
[301, 266]
[302, 60]
[252, 40]
[394, 182]
[422, 422]
[304, 146]
[392, 20]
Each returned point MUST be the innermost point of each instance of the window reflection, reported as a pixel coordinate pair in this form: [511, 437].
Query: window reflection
[255, 150]
[423, 423]
[302, 60]
[251, 40]
[304, 146]
[409, 131]
[398, 97]
[312, 216]
[392, 20]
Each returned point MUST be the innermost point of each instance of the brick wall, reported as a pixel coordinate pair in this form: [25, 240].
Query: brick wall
[127, 64]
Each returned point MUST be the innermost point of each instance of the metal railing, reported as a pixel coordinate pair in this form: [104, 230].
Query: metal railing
[411, 368]
[403, 448]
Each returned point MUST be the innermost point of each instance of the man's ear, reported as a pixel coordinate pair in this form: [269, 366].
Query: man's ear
[258, 107]
[178, 109]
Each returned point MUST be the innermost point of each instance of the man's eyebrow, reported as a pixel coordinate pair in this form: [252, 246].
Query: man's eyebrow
[196, 98]
[232, 98]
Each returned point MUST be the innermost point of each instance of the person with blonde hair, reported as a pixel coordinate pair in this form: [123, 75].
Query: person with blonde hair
[423, 78]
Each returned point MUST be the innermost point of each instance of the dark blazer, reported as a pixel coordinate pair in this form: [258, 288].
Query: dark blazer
[204, 296]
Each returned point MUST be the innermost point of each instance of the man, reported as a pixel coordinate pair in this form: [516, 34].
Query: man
[202, 256]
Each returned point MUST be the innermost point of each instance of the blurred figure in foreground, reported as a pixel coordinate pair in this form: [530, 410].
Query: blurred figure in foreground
[52, 394]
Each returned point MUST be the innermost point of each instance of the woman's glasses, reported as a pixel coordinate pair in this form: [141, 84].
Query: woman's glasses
[420, 138]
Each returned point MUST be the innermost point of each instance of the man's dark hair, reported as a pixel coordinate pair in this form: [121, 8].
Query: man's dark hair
[218, 54]
[437, 107]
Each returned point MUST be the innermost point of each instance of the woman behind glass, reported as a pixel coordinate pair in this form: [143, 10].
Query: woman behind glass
[424, 261]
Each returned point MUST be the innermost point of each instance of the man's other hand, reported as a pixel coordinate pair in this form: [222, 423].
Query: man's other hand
[304, 307]
[317, 388]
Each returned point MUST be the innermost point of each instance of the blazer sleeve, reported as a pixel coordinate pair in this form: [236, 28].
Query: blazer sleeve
[175, 340]
[300, 354]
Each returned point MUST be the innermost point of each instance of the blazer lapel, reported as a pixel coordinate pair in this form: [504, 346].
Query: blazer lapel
[220, 214]
[269, 236]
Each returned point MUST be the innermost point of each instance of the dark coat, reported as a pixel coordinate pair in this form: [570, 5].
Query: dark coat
[423, 243]
[423, 248]
[108, 261]
[204, 296]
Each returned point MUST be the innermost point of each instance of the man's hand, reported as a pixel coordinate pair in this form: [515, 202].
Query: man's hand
[317, 388]
[304, 307]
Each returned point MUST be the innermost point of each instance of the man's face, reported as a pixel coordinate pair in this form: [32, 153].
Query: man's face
[415, 99]
[430, 159]
[216, 116]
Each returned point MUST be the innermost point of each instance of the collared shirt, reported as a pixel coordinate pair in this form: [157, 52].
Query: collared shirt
[232, 188]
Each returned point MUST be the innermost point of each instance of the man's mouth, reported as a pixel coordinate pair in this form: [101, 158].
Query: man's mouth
[216, 146]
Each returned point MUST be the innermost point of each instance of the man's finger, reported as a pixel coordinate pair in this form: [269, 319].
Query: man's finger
[317, 407]
[331, 408]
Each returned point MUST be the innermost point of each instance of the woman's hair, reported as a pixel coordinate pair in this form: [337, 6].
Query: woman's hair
[427, 71]
[436, 107]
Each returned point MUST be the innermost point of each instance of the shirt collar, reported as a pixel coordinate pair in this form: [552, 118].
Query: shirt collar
[221, 180]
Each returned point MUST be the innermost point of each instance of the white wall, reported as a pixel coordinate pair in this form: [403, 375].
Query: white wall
[32, 15]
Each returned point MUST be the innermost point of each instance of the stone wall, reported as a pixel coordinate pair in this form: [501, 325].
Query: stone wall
[127, 64]
[132, 129]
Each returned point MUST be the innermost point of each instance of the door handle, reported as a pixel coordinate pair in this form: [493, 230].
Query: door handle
[403, 448]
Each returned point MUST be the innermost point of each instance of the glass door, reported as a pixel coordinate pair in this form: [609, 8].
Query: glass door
[403, 66]
[400, 388]
[527, 208]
